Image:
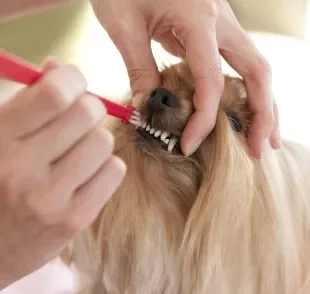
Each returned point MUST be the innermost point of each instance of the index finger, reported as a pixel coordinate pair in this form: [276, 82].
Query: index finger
[205, 65]
[37, 105]
[256, 73]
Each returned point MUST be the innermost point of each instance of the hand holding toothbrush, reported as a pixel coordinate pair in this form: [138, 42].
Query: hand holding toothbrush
[50, 188]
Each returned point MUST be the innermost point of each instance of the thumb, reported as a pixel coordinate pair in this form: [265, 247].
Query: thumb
[131, 38]
[50, 63]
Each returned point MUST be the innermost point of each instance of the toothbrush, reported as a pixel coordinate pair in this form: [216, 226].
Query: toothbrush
[17, 70]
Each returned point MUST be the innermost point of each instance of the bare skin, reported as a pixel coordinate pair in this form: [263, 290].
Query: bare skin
[199, 30]
[57, 169]
[44, 182]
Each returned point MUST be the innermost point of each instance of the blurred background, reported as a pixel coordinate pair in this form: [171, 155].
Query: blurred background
[280, 29]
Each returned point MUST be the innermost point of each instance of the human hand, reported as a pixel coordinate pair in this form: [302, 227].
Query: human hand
[56, 169]
[199, 30]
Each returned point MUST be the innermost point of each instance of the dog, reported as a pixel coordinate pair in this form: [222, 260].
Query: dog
[215, 222]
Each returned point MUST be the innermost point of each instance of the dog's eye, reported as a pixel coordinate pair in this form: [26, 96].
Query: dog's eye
[236, 123]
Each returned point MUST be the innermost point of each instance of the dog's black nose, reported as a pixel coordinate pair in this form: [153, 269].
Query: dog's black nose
[161, 99]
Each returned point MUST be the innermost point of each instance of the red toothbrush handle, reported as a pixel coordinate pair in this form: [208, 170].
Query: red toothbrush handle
[17, 70]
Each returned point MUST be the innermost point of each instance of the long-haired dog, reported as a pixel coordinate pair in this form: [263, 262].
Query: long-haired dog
[217, 222]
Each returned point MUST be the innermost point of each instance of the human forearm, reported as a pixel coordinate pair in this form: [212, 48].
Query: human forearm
[14, 8]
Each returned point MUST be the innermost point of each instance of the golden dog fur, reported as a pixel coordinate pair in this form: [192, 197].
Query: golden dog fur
[218, 222]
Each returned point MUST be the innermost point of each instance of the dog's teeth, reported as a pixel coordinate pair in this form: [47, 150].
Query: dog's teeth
[166, 141]
[135, 117]
[172, 143]
[148, 127]
[137, 113]
[135, 122]
[164, 135]
[157, 133]
[144, 125]
[152, 131]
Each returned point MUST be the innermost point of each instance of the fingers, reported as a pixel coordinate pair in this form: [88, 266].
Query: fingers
[88, 201]
[39, 104]
[135, 48]
[83, 161]
[204, 62]
[130, 36]
[71, 172]
[256, 72]
[50, 63]
[171, 44]
[63, 133]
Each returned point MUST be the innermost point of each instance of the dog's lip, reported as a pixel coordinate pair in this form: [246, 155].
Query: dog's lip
[164, 139]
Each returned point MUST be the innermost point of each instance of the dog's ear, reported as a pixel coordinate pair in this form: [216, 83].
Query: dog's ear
[214, 229]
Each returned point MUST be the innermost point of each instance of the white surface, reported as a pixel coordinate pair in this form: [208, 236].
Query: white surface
[104, 69]
[54, 278]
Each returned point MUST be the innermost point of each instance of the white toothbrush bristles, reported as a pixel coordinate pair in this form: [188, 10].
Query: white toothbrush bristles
[135, 118]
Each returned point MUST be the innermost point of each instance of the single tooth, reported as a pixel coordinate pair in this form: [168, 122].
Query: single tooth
[144, 125]
[152, 131]
[164, 135]
[136, 123]
[172, 143]
[135, 118]
[148, 127]
[157, 133]
[135, 112]
[166, 141]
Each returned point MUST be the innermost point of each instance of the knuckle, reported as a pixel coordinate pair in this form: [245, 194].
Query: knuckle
[53, 97]
[59, 88]
[91, 110]
[143, 78]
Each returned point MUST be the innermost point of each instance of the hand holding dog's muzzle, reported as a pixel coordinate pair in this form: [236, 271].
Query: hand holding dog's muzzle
[199, 31]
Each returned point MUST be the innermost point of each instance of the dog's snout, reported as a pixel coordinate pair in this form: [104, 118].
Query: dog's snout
[161, 99]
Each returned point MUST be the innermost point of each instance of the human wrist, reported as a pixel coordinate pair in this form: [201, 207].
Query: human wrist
[15, 8]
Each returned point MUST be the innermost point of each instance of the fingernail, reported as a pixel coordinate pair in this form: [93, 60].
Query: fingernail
[136, 99]
[191, 147]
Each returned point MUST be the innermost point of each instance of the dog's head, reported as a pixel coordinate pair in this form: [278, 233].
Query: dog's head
[152, 151]
[166, 110]
[221, 166]
[201, 200]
